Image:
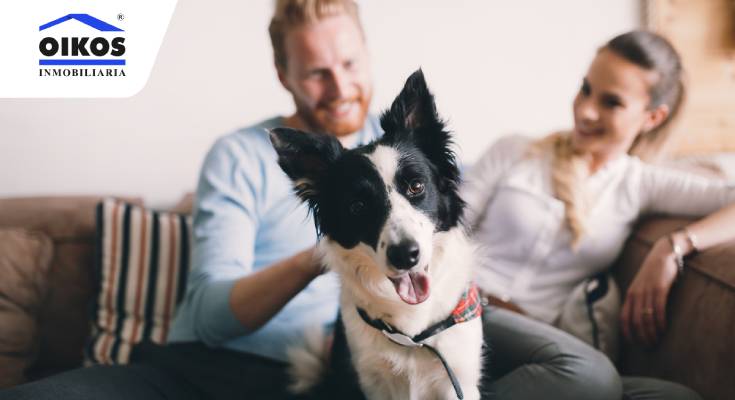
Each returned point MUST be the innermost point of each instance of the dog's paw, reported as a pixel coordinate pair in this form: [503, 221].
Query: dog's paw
[308, 363]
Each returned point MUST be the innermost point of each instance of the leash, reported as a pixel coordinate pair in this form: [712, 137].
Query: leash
[468, 308]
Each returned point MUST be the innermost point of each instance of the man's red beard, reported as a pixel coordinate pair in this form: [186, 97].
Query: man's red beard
[318, 120]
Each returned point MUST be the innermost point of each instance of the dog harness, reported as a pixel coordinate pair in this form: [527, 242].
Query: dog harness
[468, 308]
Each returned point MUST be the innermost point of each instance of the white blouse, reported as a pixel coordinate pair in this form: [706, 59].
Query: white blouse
[525, 241]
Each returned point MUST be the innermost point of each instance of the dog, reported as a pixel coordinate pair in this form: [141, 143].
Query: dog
[389, 219]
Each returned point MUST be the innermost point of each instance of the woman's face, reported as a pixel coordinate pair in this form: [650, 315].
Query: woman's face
[612, 107]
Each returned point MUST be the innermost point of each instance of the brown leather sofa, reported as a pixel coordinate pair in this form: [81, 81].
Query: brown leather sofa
[47, 244]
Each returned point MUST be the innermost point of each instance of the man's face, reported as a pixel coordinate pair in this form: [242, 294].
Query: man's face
[328, 75]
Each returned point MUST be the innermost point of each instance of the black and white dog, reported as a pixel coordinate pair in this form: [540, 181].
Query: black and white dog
[389, 218]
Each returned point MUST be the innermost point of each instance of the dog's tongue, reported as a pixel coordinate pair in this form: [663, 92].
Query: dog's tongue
[413, 287]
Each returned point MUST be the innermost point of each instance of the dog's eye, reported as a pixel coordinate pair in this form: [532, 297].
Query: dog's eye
[356, 207]
[415, 188]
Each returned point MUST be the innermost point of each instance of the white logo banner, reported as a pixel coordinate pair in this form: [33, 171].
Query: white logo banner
[73, 49]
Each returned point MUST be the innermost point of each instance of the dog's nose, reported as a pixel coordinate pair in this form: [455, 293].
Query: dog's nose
[403, 255]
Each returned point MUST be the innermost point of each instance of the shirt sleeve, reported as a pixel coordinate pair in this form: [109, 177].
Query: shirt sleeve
[668, 191]
[225, 225]
[480, 182]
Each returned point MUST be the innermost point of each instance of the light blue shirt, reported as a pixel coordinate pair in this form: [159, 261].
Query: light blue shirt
[246, 217]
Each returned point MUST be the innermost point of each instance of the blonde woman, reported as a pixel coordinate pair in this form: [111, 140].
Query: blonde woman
[555, 211]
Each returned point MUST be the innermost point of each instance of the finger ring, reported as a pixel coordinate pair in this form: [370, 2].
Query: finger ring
[648, 311]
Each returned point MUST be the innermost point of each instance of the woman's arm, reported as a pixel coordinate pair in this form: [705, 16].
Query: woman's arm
[717, 228]
[644, 312]
[663, 190]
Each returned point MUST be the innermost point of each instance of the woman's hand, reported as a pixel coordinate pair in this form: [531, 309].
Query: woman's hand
[643, 318]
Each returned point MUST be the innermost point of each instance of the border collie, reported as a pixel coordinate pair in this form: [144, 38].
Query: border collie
[388, 215]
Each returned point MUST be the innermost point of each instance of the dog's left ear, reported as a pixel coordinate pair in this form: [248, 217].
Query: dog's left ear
[413, 109]
[413, 118]
[305, 157]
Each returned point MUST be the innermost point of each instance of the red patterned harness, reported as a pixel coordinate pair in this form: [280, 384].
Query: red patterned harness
[469, 307]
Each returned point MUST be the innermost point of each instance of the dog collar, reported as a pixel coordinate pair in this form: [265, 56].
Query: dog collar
[468, 308]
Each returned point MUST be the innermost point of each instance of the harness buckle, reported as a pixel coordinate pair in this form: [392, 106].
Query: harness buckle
[401, 339]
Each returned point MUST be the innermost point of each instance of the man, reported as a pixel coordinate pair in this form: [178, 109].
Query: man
[243, 295]
[255, 284]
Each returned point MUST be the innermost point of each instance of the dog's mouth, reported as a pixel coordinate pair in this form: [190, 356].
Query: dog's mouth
[412, 287]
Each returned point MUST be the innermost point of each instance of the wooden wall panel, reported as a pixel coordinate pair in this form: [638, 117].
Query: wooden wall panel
[704, 33]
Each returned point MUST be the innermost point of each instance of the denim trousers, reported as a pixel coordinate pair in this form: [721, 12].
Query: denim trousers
[524, 359]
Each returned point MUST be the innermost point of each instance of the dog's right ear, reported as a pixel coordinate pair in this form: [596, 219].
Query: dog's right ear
[305, 158]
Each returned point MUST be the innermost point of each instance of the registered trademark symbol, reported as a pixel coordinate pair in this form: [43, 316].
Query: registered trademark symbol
[120, 17]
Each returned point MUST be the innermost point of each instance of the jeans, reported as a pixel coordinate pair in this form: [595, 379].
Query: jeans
[528, 359]
[525, 359]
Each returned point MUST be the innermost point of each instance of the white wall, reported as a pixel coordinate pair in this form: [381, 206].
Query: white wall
[496, 67]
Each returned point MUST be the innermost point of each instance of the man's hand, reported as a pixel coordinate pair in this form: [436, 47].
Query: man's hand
[310, 262]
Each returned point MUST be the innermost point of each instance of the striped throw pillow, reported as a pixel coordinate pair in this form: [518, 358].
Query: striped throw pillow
[142, 264]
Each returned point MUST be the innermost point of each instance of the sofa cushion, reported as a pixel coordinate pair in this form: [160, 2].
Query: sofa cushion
[24, 263]
[143, 261]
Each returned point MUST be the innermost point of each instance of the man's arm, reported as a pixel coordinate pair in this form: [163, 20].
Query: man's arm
[256, 298]
[226, 297]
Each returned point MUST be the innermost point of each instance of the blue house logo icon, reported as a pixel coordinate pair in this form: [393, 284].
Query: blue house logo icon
[82, 50]
[84, 18]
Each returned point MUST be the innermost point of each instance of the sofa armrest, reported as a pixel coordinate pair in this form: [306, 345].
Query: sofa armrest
[698, 346]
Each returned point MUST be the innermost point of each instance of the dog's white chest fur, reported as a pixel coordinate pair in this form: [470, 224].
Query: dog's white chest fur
[387, 370]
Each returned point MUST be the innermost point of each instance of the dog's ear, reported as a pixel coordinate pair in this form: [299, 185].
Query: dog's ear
[305, 157]
[413, 118]
[412, 110]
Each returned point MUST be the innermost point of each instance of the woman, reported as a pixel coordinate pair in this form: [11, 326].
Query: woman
[554, 212]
